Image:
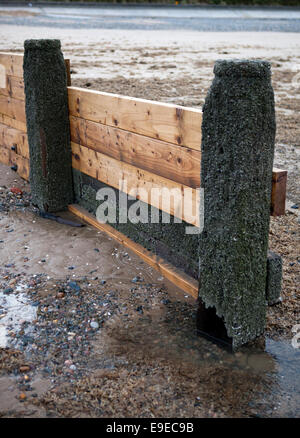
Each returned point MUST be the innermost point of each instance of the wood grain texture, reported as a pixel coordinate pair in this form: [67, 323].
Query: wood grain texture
[171, 161]
[13, 138]
[278, 198]
[14, 88]
[138, 183]
[13, 108]
[8, 121]
[10, 158]
[176, 276]
[13, 64]
[167, 122]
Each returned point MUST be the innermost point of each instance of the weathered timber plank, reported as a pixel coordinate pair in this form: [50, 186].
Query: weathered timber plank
[8, 121]
[279, 180]
[13, 64]
[138, 183]
[14, 88]
[176, 276]
[167, 122]
[10, 158]
[171, 161]
[12, 108]
[11, 137]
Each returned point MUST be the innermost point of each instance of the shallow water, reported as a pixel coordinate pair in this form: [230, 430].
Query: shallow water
[35, 245]
[257, 381]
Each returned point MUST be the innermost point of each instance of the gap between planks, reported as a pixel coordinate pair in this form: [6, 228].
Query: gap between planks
[177, 277]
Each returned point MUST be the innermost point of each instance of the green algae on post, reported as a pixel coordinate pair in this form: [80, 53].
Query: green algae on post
[47, 120]
[236, 173]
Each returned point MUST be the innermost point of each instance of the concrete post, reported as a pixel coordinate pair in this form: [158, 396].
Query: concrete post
[45, 82]
[236, 174]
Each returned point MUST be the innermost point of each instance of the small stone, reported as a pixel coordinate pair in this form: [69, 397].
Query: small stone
[16, 191]
[60, 295]
[22, 396]
[295, 206]
[94, 325]
[73, 285]
[68, 363]
[136, 279]
[73, 367]
[8, 291]
[102, 282]
[24, 368]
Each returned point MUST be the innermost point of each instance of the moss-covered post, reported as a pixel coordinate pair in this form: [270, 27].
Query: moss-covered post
[48, 130]
[236, 174]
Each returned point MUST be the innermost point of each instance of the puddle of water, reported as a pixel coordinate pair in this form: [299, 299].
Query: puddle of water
[257, 381]
[41, 246]
[16, 310]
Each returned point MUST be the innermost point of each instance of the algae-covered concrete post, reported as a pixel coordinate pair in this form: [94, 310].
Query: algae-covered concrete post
[45, 81]
[236, 173]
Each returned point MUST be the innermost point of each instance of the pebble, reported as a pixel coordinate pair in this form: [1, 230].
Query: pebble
[136, 279]
[8, 291]
[22, 396]
[295, 206]
[60, 295]
[73, 285]
[94, 325]
[16, 191]
[24, 368]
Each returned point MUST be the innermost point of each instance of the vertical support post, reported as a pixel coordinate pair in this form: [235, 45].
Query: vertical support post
[238, 136]
[45, 81]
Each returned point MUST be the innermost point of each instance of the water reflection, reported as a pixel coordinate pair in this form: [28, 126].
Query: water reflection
[252, 382]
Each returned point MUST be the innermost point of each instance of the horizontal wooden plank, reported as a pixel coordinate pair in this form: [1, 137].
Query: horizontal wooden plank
[167, 122]
[14, 87]
[171, 161]
[13, 138]
[8, 121]
[12, 108]
[176, 276]
[138, 183]
[279, 180]
[11, 75]
[10, 158]
[13, 64]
